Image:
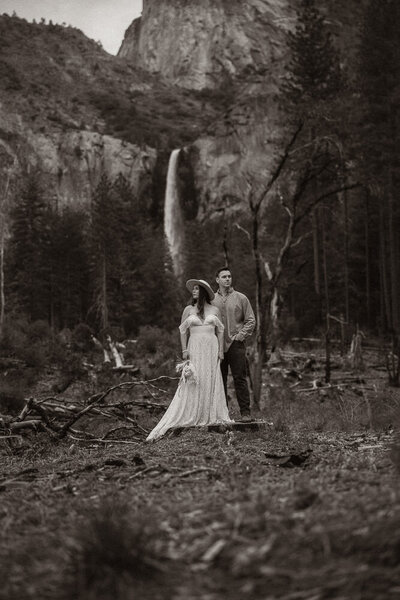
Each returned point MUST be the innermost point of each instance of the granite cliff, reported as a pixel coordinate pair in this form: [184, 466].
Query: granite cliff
[72, 162]
[234, 50]
[200, 44]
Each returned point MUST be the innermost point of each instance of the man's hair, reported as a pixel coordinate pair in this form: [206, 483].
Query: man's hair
[223, 269]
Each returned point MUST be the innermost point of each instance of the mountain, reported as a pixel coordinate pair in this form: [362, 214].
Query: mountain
[201, 75]
[72, 111]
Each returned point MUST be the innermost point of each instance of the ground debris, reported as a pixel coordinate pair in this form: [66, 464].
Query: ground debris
[289, 460]
[224, 523]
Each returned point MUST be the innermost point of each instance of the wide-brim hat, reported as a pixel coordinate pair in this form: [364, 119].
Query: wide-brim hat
[192, 282]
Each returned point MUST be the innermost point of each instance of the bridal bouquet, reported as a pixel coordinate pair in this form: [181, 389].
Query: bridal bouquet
[188, 371]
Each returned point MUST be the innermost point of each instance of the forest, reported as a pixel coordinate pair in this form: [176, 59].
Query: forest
[339, 178]
[303, 502]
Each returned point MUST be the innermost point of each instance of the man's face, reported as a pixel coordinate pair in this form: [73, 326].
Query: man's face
[224, 279]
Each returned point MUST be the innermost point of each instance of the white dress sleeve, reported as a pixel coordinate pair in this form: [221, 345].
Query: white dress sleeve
[184, 326]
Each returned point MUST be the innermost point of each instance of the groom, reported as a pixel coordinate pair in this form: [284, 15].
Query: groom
[238, 319]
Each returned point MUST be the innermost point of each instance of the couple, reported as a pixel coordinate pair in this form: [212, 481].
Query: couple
[213, 329]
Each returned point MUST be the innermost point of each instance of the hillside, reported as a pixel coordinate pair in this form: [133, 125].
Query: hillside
[55, 78]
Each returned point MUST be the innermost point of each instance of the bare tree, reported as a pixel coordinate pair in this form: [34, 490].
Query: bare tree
[4, 207]
[298, 205]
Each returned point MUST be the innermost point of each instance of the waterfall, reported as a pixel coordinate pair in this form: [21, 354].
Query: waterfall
[173, 217]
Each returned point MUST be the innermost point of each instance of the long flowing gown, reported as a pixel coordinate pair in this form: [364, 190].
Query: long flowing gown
[200, 402]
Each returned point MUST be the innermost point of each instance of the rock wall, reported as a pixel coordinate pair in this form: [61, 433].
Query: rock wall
[222, 166]
[198, 43]
[72, 162]
[75, 161]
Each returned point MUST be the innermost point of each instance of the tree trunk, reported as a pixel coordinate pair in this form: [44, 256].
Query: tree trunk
[315, 232]
[387, 313]
[393, 261]
[367, 262]
[315, 223]
[346, 256]
[115, 354]
[260, 341]
[225, 247]
[2, 295]
[327, 301]
[273, 312]
[51, 303]
[3, 213]
[327, 356]
[103, 300]
[325, 271]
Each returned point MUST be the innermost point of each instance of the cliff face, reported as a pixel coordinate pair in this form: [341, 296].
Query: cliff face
[198, 43]
[71, 163]
[74, 162]
[73, 112]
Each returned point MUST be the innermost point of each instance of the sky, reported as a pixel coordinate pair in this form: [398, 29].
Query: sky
[104, 20]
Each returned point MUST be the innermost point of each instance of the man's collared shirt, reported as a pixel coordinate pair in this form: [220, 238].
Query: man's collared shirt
[236, 315]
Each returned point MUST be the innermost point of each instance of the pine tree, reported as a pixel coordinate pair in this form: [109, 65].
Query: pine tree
[69, 268]
[147, 287]
[105, 248]
[313, 69]
[29, 264]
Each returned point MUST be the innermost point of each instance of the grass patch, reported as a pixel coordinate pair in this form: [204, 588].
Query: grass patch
[115, 552]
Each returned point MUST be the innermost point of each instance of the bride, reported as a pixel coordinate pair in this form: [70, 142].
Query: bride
[200, 397]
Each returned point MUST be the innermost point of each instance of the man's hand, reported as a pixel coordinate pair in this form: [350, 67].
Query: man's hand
[221, 355]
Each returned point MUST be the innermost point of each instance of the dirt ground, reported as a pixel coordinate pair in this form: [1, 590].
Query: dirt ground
[306, 507]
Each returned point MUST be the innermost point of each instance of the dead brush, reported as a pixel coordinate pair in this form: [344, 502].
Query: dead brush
[278, 403]
[115, 554]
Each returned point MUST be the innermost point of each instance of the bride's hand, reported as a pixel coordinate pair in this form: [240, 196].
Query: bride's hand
[221, 355]
[185, 354]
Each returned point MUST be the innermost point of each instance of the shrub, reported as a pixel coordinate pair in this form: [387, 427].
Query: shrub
[156, 351]
[34, 356]
[82, 337]
[114, 550]
[19, 335]
[39, 331]
[12, 395]
[154, 339]
[13, 341]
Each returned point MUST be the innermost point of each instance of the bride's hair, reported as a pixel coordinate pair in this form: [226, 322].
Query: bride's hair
[201, 301]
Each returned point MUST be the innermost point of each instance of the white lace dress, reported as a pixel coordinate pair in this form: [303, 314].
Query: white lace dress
[201, 402]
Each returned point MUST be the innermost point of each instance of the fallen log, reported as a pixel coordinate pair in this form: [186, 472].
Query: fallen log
[42, 413]
[101, 441]
[32, 423]
[11, 363]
